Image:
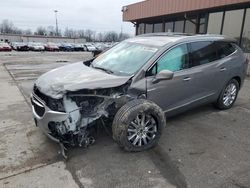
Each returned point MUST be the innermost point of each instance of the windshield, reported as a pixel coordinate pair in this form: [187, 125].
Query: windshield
[125, 58]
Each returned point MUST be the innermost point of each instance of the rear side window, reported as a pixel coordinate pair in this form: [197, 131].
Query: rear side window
[224, 49]
[202, 53]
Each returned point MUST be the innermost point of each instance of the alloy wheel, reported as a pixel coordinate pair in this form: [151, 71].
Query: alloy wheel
[142, 130]
[229, 94]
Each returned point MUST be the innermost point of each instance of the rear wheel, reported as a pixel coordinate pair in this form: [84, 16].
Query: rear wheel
[138, 125]
[228, 95]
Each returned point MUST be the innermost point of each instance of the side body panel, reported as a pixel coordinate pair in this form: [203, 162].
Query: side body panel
[174, 93]
[197, 85]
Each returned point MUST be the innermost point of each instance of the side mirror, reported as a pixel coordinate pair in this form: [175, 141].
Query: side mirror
[163, 75]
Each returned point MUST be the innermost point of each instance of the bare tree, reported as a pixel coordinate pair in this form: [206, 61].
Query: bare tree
[8, 27]
[17, 31]
[27, 32]
[100, 37]
[111, 36]
[71, 33]
[41, 31]
[51, 31]
[123, 36]
[89, 35]
[59, 34]
[81, 33]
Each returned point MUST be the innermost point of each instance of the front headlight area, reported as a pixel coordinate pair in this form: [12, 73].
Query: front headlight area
[56, 105]
[82, 111]
[64, 130]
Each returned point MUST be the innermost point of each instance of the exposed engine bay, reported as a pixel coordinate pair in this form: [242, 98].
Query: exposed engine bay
[85, 108]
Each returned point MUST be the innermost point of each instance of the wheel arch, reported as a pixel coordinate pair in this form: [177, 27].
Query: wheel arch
[238, 79]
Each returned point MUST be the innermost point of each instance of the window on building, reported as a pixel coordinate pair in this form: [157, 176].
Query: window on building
[232, 23]
[158, 27]
[140, 29]
[202, 26]
[214, 23]
[149, 28]
[190, 26]
[202, 53]
[169, 26]
[246, 33]
[178, 26]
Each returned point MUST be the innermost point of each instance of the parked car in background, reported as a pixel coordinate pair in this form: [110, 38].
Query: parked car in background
[101, 46]
[78, 47]
[51, 47]
[5, 47]
[95, 48]
[20, 46]
[66, 47]
[89, 47]
[34, 46]
[110, 44]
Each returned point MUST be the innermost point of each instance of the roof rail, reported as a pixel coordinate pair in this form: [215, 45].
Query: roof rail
[165, 34]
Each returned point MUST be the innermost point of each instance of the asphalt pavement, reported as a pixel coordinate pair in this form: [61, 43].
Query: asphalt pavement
[204, 147]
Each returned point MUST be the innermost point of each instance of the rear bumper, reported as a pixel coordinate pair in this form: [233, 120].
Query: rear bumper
[42, 119]
[5, 49]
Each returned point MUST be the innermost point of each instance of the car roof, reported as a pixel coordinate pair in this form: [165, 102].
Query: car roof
[162, 39]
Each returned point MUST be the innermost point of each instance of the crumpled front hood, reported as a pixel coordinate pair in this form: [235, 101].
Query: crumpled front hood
[74, 77]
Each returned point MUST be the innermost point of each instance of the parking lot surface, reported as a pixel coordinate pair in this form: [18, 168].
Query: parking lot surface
[200, 148]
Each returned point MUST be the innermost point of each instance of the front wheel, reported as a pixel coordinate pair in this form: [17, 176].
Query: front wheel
[138, 125]
[228, 95]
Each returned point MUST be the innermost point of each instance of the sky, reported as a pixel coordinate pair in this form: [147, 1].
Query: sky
[98, 15]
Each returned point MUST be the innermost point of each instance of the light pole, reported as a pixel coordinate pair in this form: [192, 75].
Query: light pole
[56, 22]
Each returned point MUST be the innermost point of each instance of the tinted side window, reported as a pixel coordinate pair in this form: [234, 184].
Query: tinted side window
[174, 60]
[202, 53]
[224, 49]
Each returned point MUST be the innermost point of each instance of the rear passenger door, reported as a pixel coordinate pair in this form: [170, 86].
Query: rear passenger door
[208, 72]
[227, 62]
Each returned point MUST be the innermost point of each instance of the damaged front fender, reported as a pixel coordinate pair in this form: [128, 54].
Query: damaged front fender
[84, 109]
[81, 109]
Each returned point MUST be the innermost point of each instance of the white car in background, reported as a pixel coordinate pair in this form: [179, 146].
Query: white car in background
[101, 46]
[89, 47]
[35, 46]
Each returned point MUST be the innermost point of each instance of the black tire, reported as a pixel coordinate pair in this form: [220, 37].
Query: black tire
[127, 114]
[220, 103]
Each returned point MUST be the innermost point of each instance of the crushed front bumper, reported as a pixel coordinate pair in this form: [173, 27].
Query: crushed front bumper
[43, 115]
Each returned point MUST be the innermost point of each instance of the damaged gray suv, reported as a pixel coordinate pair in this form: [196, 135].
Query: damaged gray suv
[133, 87]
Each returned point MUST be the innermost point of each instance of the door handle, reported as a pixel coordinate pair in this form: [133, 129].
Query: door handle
[187, 79]
[223, 69]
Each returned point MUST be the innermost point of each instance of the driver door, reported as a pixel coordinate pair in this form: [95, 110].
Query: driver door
[178, 91]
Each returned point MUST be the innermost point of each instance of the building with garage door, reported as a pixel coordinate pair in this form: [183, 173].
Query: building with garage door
[227, 17]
